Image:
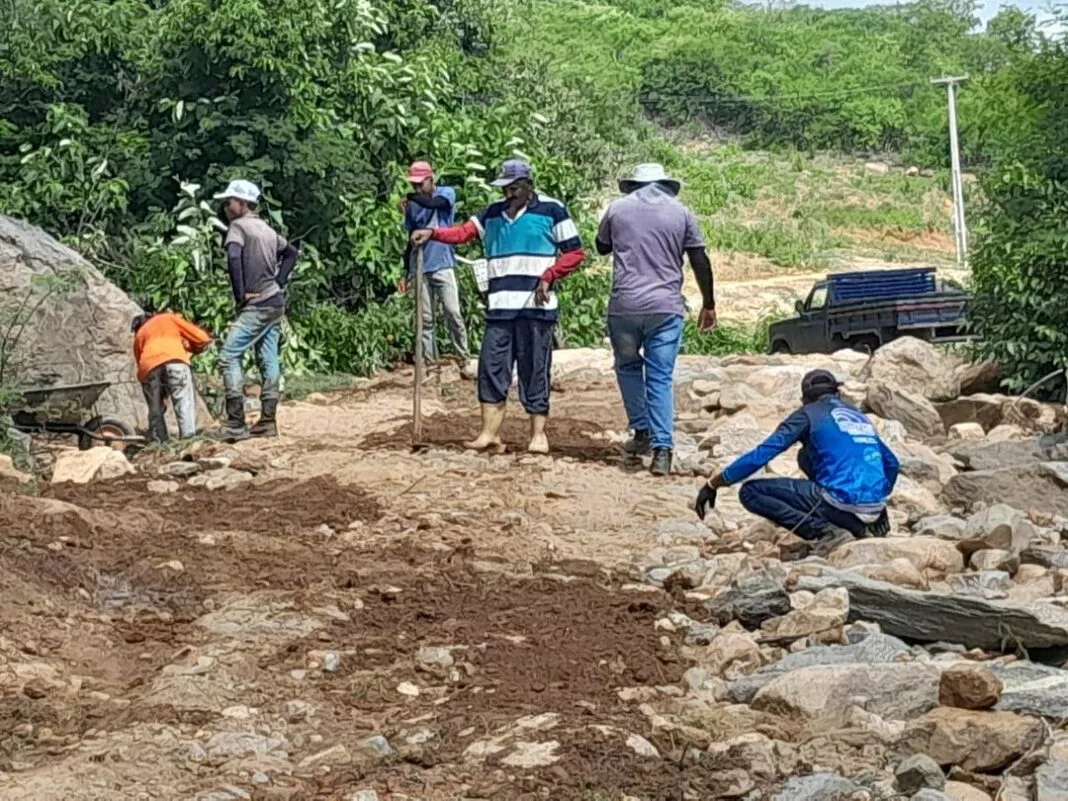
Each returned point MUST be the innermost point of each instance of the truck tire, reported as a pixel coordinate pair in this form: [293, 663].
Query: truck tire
[866, 344]
[780, 346]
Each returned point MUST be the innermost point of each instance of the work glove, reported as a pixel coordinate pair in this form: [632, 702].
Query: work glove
[706, 499]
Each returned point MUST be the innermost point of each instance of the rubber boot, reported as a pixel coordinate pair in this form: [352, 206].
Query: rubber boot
[661, 465]
[640, 444]
[267, 425]
[539, 443]
[235, 428]
[490, 436]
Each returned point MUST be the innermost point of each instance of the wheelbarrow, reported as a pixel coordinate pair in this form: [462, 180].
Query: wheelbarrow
[62, 411]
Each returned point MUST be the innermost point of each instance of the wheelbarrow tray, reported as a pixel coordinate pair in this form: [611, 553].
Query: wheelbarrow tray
[64, 410]
[70, 404]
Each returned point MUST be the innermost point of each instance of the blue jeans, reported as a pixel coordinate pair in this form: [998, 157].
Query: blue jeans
[798, 506]
[259, 327]
[645, 348]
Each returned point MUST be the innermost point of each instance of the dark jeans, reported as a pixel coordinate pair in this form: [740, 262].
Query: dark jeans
[798, 506]
[528, 345]
[155, 389]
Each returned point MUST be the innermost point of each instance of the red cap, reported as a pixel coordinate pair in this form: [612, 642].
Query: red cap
[419, 172]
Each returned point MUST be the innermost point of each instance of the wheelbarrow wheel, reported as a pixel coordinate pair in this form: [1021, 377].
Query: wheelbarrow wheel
[105, 427]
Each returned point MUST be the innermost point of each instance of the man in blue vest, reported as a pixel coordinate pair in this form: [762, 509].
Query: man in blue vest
[530, 242]
[851, 472]
[431, 206]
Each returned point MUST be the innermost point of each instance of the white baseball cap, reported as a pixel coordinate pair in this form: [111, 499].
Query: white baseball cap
[241, 190]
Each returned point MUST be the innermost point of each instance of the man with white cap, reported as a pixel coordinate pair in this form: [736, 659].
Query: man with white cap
[648, 231]
[432, 206]
[259, 261]
[530, 242]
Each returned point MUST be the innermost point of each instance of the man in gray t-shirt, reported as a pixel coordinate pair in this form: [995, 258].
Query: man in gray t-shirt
[648, 231]
[259, 261]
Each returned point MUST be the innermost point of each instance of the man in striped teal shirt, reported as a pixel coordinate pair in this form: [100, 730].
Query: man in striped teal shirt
[530, 242]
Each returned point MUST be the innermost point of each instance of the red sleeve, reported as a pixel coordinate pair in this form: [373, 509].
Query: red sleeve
[566, 264]
[457, 235]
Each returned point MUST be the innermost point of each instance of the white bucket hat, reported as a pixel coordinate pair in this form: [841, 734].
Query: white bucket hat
[649, 174]
[241, 190]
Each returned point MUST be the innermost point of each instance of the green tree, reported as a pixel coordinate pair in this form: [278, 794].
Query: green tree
[1021, 305]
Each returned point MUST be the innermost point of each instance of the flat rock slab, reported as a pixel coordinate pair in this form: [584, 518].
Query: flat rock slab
[1042, 486]
[826, 693]
[872, 650]
[1033, 689]
[999, 455]
[927, 617]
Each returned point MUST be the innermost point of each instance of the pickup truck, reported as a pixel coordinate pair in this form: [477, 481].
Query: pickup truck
[863, 310]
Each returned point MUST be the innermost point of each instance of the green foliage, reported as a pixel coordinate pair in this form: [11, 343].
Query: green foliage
[1021, 256]
[114, 115]
[726, 338]
[846, 79]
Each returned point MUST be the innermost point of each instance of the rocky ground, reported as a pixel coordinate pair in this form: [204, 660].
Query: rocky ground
[330, 615]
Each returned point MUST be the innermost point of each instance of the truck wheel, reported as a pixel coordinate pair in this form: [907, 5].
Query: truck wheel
[780, 346]
[868, 344]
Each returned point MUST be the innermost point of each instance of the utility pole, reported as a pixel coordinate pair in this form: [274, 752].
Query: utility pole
[960, 229]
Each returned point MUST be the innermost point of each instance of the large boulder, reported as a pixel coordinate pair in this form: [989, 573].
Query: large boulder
[912, 409]
[998, 527]
[824, 694]
[1042, 487]
[974, 741]
[933, 556]
[985, 410]
[917, 367]
[81, 467]
[987, 455]
[979, 377]
[80, 336]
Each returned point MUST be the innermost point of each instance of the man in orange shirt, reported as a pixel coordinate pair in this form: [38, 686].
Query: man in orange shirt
[162, 345]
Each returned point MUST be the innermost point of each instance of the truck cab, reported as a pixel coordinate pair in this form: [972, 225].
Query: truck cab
[865, 309]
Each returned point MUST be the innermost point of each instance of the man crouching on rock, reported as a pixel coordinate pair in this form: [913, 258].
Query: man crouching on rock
[851, 472]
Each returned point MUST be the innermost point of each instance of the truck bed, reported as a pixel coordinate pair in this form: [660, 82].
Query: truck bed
[941, 313]
[844, 289]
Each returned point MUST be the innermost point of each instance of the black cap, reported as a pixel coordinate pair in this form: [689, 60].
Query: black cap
[816, 384]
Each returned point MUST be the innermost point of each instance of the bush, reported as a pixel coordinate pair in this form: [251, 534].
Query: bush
[1021, 258]
[115, 118]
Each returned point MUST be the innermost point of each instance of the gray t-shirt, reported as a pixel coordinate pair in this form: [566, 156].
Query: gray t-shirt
[262, 246]
[649, 231]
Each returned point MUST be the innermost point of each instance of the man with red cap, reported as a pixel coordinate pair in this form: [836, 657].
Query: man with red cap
[430, 206]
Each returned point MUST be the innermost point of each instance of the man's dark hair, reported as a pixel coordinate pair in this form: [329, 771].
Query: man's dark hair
[818, 384]
[140, 320]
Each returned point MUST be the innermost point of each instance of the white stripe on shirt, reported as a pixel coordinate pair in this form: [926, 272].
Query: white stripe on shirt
[565, 230]
[529, 266]
[514, 301]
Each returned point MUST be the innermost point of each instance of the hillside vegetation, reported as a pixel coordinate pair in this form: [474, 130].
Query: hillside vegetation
[118, 119]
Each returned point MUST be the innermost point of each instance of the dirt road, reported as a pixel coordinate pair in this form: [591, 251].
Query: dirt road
[349, 617]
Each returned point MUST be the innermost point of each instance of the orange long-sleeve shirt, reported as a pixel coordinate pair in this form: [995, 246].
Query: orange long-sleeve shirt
[166, 338]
